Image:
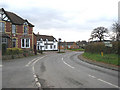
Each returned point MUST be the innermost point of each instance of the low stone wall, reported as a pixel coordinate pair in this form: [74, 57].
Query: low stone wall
[8, 57]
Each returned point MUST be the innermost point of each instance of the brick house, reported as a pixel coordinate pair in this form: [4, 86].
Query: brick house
[68, 45]
[16, 31]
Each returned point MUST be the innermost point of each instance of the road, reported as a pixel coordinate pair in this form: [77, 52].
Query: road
[53, 70]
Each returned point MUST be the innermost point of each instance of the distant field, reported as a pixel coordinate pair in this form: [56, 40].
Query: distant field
[76, 49]
[106, 58]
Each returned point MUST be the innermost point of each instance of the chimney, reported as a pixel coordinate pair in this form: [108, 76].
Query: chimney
[38, 33]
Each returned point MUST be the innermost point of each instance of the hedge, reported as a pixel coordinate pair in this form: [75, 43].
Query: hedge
[98, 47]
[14, 51]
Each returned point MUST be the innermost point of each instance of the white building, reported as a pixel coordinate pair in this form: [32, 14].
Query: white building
[45, 42]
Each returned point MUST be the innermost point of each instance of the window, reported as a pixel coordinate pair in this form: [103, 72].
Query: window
[25, 29]
[25, 43]
[68, 46]
[2, 27]
[4, 40]
[14, 42]
[46, 46]
[54, 46]
[38, 47]
[41, 41]
[14, 29]
[51, 46]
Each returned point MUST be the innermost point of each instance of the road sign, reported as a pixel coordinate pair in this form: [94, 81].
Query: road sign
[108, 44]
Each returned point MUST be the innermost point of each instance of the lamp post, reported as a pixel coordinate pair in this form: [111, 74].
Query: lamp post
[59, 44]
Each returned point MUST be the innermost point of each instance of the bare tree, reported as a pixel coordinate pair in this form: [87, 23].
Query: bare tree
[116, 31]
[100, 33]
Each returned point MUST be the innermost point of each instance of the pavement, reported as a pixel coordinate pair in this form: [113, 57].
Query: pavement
[101, 64]
[56, 70]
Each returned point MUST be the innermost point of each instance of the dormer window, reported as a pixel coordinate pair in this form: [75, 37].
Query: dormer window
[25, 29]
[13, 29]
[41, 40]
[46, 40]
[54, 40]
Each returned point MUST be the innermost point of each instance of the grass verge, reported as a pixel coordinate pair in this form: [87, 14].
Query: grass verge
[106, 58]
[76, 49]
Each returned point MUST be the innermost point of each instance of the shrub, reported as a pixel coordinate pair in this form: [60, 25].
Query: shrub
[4, 46]
[98, 47]
[14, 51]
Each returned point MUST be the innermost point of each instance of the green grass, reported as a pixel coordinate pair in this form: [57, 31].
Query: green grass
[76, 49]
[106, 58]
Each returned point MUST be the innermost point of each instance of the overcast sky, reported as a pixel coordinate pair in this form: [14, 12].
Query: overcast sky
[70, 20]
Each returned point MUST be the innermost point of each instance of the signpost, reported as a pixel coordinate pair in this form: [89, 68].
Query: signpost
[59, 44]
[108, 44]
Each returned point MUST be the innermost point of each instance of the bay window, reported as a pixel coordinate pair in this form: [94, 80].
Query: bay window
[25, 43]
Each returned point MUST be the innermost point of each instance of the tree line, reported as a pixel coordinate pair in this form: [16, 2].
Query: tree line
[101, 32]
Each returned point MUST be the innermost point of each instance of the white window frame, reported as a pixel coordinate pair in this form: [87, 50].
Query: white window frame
[25, 29]
[25, 43]
[4, 40]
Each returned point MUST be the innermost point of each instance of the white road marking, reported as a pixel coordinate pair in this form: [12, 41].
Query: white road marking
[67, 64]
[91, 76]
[37, 60]
[33, 62]
[108, 83]
[1, 65]
[103, 81]
[30, 62]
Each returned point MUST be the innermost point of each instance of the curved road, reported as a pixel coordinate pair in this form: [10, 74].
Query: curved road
[67, 71]
[54, 70]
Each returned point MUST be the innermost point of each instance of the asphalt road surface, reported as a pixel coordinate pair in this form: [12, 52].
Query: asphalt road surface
[53, 70]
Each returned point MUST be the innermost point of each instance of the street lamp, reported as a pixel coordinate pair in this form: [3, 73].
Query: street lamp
[59, 44]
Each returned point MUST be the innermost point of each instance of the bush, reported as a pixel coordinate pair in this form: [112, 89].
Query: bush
[4, 46]
[98, 47]
[27, 52]
[14, 51]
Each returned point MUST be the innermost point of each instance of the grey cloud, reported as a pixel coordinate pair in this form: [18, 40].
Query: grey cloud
[4, 5]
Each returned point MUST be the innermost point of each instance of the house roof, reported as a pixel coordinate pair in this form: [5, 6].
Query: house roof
[44, 37]
[15, 19]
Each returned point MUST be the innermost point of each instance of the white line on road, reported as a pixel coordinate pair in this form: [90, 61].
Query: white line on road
[37, 60]
[33, 62]
[30, 62]
[108, 83]
[103, 81]
[91, 76]
[1, 65]
[67, 64]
